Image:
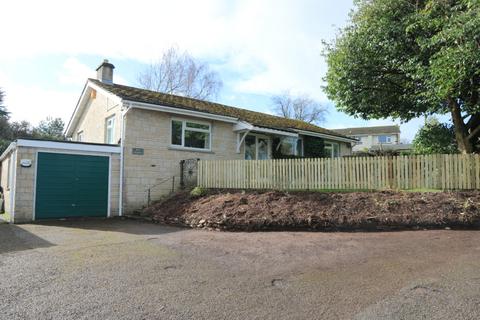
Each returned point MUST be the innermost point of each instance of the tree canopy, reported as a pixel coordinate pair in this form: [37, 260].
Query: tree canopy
[435, 137]
[50, 128]
[3, 109]
[404, 59]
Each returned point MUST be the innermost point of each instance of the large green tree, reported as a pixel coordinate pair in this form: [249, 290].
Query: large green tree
[435, 137]
[407, 58]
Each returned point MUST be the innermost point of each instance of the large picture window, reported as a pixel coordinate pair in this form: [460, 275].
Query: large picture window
[332, 149]
[191, 134]
[291, 146]
[257, 147]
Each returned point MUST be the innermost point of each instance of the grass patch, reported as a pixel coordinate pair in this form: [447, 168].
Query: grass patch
[5, 217]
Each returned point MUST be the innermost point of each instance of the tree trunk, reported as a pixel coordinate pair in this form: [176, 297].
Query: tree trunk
[461, 132]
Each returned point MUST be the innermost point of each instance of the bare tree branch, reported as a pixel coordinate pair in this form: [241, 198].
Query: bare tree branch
[179, 73]
[300, 107]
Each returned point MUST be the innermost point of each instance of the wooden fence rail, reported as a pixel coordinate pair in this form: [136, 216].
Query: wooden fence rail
[460, 172]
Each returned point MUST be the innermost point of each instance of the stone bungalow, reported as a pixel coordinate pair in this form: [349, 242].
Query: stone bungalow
[125, 140]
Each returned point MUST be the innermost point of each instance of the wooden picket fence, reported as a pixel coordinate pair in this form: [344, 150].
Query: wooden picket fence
[447, 172]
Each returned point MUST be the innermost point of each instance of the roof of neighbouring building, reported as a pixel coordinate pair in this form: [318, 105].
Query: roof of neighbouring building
[368, 130]
[255, 118]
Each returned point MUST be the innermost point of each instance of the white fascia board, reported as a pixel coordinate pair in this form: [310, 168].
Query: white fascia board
[184, 112]
[7, 151]
[325, 136]
[79, 108]
[242, 126]
[68, 146]
[276, 132]
[245, 126]
[76, 110]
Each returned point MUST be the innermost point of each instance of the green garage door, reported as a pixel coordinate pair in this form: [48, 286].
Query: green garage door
[71, 186]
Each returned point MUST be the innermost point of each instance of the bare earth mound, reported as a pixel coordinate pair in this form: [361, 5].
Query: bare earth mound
[274, 210]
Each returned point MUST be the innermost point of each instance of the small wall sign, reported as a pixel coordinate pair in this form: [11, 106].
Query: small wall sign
[138, 151]
[25, 163]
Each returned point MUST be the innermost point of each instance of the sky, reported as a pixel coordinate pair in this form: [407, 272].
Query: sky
[259, 48]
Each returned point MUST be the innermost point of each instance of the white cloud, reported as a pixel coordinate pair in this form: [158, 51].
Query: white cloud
[74, 72]
[34, 103]
[274, 45]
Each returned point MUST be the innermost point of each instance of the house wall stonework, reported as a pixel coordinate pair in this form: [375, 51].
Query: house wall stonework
[93, 120]
[4, 181]
[345, 149]
[25, 182]
[150, 131]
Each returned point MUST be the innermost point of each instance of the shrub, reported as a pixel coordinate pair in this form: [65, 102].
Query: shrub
[198, 192]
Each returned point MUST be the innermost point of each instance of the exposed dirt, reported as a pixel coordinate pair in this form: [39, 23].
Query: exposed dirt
[274, 210]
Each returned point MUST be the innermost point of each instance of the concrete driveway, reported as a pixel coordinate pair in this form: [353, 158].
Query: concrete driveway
[120, 269]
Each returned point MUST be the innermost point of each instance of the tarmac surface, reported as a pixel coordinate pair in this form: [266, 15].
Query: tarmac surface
[123, 269]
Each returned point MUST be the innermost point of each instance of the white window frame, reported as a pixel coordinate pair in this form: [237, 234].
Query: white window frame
[184, 128]
[80, 136]
[388, 139]
[111, 127]
[302, 149]
[332, 152]
[258, 136]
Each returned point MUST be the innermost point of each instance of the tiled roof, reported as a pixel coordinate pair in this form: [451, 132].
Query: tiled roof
[255, 118]
[368, 130]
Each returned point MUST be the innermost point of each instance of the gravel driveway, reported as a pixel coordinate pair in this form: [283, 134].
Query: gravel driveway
[121, 269]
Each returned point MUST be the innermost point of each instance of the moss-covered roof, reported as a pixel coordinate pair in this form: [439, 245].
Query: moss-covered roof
[255, 118]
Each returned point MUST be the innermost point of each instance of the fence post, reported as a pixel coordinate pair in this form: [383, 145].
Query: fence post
[182, 183]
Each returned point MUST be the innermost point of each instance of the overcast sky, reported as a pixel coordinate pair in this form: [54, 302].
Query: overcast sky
[259, 48]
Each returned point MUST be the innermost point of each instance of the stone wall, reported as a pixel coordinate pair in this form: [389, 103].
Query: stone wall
[93, 121]
[150, 131]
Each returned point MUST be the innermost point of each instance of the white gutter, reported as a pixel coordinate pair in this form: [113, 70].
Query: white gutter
[185, 112]
[325, 136]
[5, 153]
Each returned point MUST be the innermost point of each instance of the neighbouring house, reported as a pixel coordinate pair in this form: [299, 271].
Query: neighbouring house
[379, 138]
[126, 144]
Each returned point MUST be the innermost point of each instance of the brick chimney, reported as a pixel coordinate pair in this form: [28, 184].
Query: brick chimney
[105, 72]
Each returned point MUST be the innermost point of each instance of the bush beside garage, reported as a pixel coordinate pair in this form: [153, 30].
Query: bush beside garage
[52, 179]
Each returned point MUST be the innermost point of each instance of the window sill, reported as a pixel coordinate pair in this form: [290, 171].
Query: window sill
[175, 148]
